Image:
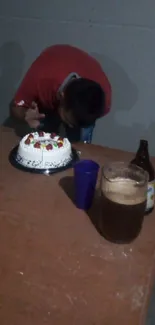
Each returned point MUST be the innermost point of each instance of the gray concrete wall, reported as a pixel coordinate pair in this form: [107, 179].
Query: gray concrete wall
[120, 34]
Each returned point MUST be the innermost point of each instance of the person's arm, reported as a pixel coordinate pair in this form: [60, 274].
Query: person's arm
[30, 114]
[17, 112]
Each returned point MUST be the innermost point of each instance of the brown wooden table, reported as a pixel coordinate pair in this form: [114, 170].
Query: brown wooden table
[54, 266]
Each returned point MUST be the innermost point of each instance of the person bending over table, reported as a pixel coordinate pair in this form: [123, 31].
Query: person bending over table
[64, 85]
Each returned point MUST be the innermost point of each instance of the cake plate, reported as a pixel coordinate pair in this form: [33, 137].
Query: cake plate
[14, 163]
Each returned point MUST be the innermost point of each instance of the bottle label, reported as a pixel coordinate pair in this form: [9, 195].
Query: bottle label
[150, 195]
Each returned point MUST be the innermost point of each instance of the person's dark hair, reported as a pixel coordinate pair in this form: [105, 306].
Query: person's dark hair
[86, 99]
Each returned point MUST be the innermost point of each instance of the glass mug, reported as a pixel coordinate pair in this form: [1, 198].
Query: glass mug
[123, 195]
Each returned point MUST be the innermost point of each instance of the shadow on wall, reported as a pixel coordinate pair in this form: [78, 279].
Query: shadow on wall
[11, 68]
[125, 121]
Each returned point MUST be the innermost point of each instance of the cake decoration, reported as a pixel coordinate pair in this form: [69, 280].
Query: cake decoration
[30, 136]
[37, 145]
[53, 135]
[28, 141]
[41, 133]
[49, 146]
[60, 144]
[60, 139]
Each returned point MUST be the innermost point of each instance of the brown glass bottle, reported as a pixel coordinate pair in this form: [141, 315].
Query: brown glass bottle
[142, 160]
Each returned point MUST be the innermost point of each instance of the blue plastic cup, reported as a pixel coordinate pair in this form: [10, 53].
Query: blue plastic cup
[85, 178]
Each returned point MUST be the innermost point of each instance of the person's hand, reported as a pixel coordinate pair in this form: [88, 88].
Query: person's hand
[32, 116]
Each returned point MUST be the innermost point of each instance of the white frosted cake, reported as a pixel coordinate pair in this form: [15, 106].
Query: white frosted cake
[44, 150]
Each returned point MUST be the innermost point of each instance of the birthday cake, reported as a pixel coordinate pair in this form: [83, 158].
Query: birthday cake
[42, 150]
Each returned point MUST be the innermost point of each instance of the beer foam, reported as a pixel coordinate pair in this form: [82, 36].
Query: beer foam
[123, 191]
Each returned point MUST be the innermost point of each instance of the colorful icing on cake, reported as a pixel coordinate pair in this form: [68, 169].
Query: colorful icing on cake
[44, 150]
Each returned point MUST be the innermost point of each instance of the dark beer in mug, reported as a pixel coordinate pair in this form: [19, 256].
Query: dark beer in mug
[123, 191]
